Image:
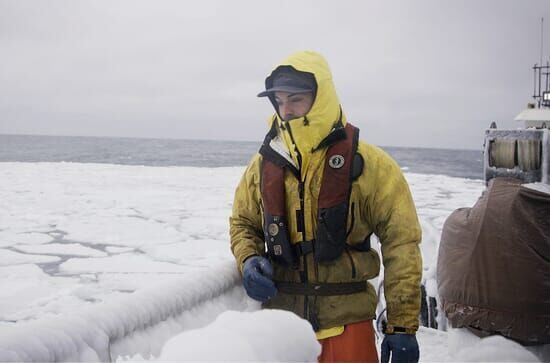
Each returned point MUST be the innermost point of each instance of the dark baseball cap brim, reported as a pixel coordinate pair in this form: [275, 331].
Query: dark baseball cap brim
[288, 79]
[288, 89]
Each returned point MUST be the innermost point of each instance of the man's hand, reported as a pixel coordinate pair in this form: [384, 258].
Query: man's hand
[403, 348]
[257, 278]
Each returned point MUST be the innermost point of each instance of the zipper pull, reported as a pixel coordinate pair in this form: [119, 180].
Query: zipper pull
[301, 190]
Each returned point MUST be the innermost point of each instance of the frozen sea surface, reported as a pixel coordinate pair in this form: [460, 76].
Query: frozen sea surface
[101, 261]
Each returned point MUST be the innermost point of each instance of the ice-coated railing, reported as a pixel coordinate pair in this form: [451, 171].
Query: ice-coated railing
[129, 325]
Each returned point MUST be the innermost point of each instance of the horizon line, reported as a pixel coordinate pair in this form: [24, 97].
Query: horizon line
[222, 140]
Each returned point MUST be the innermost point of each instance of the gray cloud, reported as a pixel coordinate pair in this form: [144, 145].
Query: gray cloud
[409, 73]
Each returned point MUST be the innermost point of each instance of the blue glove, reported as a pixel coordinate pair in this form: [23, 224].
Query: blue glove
[257, 278]
[403, 348]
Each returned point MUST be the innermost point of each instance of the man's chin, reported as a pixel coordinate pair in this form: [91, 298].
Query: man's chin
[291, 117]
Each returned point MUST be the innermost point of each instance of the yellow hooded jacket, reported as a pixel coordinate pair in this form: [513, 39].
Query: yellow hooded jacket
[380, 203]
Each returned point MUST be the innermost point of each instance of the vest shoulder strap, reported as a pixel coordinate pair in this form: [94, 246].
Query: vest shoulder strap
[337, 175]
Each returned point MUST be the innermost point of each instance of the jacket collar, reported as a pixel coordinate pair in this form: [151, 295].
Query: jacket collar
[275, 149]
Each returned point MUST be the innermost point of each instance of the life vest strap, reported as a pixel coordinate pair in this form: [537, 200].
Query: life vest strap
[306, 247]
[321, 288]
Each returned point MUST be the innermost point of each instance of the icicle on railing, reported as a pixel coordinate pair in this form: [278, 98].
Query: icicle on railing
[134, 324]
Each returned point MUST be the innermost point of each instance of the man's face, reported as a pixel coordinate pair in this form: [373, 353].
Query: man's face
[293, 105]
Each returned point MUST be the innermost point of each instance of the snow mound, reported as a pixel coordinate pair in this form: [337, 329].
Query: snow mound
[467, 347]
[261, 336]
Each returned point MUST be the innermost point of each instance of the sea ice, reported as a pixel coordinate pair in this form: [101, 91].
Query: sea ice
[29, 238]
[9, 258]
[122, 263]
[62, 249]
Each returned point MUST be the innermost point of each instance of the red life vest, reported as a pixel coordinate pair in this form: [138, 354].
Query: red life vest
[342, 165]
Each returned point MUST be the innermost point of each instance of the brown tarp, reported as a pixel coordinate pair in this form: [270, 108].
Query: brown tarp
[493, 269]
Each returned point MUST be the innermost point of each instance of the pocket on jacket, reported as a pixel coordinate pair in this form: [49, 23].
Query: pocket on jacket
[367, 264]
[330, 237]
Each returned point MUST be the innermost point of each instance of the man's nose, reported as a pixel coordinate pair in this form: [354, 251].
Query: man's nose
[285, 111]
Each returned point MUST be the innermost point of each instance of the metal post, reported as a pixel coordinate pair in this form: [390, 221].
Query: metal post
[540, 86]
[547, 73]
[535, 82]
[541, 66]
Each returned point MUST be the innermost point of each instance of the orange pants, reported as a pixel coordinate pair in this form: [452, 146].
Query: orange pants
[355, 344]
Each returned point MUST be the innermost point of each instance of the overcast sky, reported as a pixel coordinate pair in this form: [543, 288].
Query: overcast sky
[409, 73]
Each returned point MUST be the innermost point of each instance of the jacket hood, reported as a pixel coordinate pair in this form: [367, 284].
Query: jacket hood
[325, 113]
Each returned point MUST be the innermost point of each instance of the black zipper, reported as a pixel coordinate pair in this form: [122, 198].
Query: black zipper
[304, 277]
[353, 272]
[352, 219]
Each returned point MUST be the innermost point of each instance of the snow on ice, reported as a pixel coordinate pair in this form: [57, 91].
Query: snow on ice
[261, 336]
[111, 262]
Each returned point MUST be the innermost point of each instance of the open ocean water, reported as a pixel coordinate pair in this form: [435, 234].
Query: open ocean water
[207, 153]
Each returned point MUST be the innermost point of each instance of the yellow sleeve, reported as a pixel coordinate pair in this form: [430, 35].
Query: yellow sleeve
[396, 224]
[245, 223]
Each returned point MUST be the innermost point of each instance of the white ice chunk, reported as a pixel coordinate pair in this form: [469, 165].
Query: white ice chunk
[123, 263]
[24, 284]
[8, 238]
[8, 257]
[127, 231]
[114, 249]
[73, 249]
[200, 251]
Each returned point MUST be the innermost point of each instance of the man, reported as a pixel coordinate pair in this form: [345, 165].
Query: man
[303, 215]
